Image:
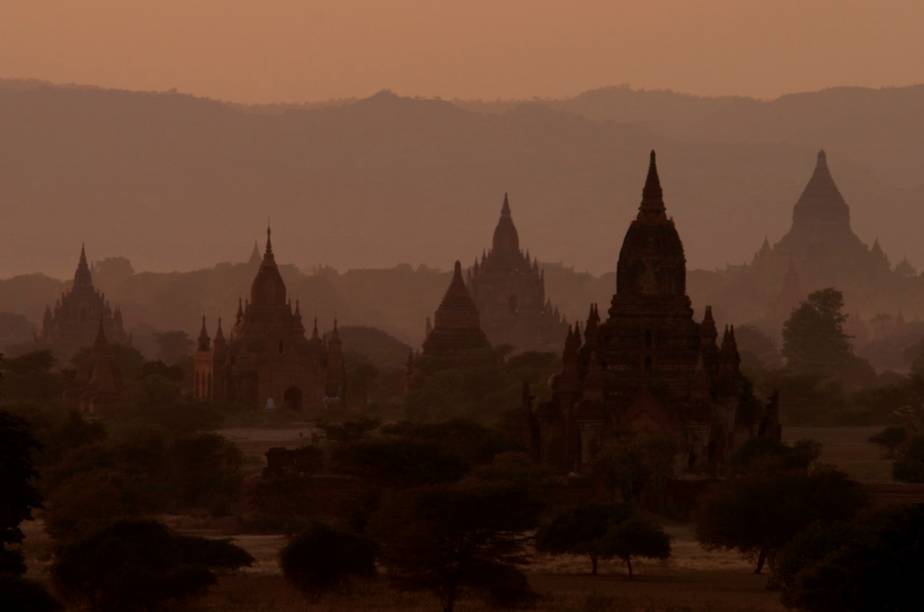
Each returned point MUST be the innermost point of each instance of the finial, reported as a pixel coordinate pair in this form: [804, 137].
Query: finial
[652, 196]
[505, 208]
[269, 238]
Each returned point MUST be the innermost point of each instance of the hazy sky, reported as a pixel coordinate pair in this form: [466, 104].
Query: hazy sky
[265, 50]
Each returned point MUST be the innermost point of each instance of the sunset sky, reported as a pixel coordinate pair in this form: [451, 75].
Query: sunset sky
[298, 50]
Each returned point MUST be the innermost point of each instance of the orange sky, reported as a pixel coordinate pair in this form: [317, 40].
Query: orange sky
[266, 50]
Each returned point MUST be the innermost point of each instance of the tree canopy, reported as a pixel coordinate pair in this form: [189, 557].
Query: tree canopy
[140, 565]
[323, 558]
[449, 537]
[875, 564]
[760, 513]
[814, 340]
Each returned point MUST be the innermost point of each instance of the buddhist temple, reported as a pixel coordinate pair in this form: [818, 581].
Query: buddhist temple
[509, 290]
[96, 388]
[820, 250]
[647, 367]
[455, 338]
[267, 361]
[74, 320]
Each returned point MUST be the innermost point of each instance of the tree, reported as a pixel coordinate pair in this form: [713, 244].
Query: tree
[323, 558]
[399, 462]
[141, 565]
[449, 537]
[20, 497]
[173, 346]
[635, 537]
[814, 340]
[17, 482]
[890, 438]
[17, 593]
[909, 466]
[206, 471]
[581, 531]
[758, 514]
[873, 565]
[771, 455]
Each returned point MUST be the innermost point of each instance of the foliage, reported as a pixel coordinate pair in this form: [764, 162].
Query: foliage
[814, 340]
[136, 472]
[341, 432]
[874, 565]
[17, 483]
[29, 596]
[890, 438]
[173, 346]
[771, 455]
[398, 462]
[635, 537]
[758, 514]
[468, 440]
[581, 530]
[449, 537]
[909, 466]
[141, 565]
[30, 378]
[479, 385]
[323, 558]
[205, 471]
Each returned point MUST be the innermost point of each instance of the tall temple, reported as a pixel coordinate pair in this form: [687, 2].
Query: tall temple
[74, 322]
[267, 361]
[820, 249]
[648, 367]
[509, 291]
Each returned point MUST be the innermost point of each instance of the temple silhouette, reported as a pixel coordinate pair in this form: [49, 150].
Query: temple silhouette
[508, 288]
[78, 316]
[267, 361]
[648, 367]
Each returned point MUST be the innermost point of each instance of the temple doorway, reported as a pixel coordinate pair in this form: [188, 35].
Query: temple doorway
[293, 398]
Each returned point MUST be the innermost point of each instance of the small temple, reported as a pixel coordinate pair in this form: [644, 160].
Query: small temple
[455, 338]
[267, 360]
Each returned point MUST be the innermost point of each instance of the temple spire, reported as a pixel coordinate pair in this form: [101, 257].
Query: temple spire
[204, 339]
[82, 277]
[652, 206]
[506, 239]
[269, 241]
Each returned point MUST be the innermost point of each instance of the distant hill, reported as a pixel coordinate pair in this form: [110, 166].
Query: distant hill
[177, 182]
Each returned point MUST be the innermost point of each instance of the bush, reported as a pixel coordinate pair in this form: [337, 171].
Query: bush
[909, 467]
[26, 595]
[758, 514]
[323, 558]
[140, 565]
[890, 439]
[874, 565]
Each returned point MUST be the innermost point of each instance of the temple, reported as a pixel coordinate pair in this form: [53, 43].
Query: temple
[75, 320]
[648, 367]
[267, 361]
[819, 250]
[96, 388]
[509, 291]
[455, 338]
